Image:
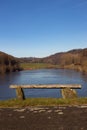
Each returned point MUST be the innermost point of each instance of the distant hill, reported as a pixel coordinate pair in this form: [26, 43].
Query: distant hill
[73, 59]
[8, 63]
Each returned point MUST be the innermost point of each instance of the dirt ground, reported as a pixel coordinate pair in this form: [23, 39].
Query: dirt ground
[44, 118]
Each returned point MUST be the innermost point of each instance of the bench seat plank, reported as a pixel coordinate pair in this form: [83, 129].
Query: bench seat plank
[73, 86]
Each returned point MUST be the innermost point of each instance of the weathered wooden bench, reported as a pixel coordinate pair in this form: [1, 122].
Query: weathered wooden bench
[66, 89]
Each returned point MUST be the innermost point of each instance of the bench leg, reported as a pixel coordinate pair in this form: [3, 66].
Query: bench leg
[20, 93]
[68, 93]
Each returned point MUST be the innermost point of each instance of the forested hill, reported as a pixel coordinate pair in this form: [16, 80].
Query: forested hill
[8, 63]
[73, 59]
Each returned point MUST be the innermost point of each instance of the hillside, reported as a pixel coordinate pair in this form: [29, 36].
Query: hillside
[73, 59]
[8, 63]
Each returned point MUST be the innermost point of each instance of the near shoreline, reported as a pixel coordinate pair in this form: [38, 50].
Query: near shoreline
[43, 102]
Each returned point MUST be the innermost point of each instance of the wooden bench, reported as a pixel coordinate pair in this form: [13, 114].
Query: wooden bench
[66, 89]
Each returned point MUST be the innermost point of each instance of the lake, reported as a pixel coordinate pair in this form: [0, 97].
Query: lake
[42, 76]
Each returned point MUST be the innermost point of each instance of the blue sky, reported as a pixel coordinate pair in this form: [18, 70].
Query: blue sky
[39, 28]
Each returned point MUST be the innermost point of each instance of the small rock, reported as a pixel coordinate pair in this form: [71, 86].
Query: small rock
[60, 113]
[20, 110]
[49, 111]
[10, 114]
[35, 111]
[49, 117]
[22, 117]
[42, 110]
[83, 107]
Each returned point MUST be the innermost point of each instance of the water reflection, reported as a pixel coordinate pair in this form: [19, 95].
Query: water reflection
[44, 76]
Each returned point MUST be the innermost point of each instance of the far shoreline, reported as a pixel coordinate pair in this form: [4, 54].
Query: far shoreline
[35, 66]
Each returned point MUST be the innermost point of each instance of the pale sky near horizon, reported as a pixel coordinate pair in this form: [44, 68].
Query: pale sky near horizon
[39, 28]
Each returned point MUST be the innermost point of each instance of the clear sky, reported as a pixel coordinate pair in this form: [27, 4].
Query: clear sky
[39, 28]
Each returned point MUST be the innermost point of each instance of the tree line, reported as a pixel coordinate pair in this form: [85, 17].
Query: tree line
[8, 63]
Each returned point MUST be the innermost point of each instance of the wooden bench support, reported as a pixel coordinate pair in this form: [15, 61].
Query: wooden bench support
[20, 93]
[66, 89]
[68, 93]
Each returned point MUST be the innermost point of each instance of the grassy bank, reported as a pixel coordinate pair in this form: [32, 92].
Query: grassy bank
[32, 66]
[43, 102]
[29, 66]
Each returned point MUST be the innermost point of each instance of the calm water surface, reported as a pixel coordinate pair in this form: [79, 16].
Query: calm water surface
[43, 76]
